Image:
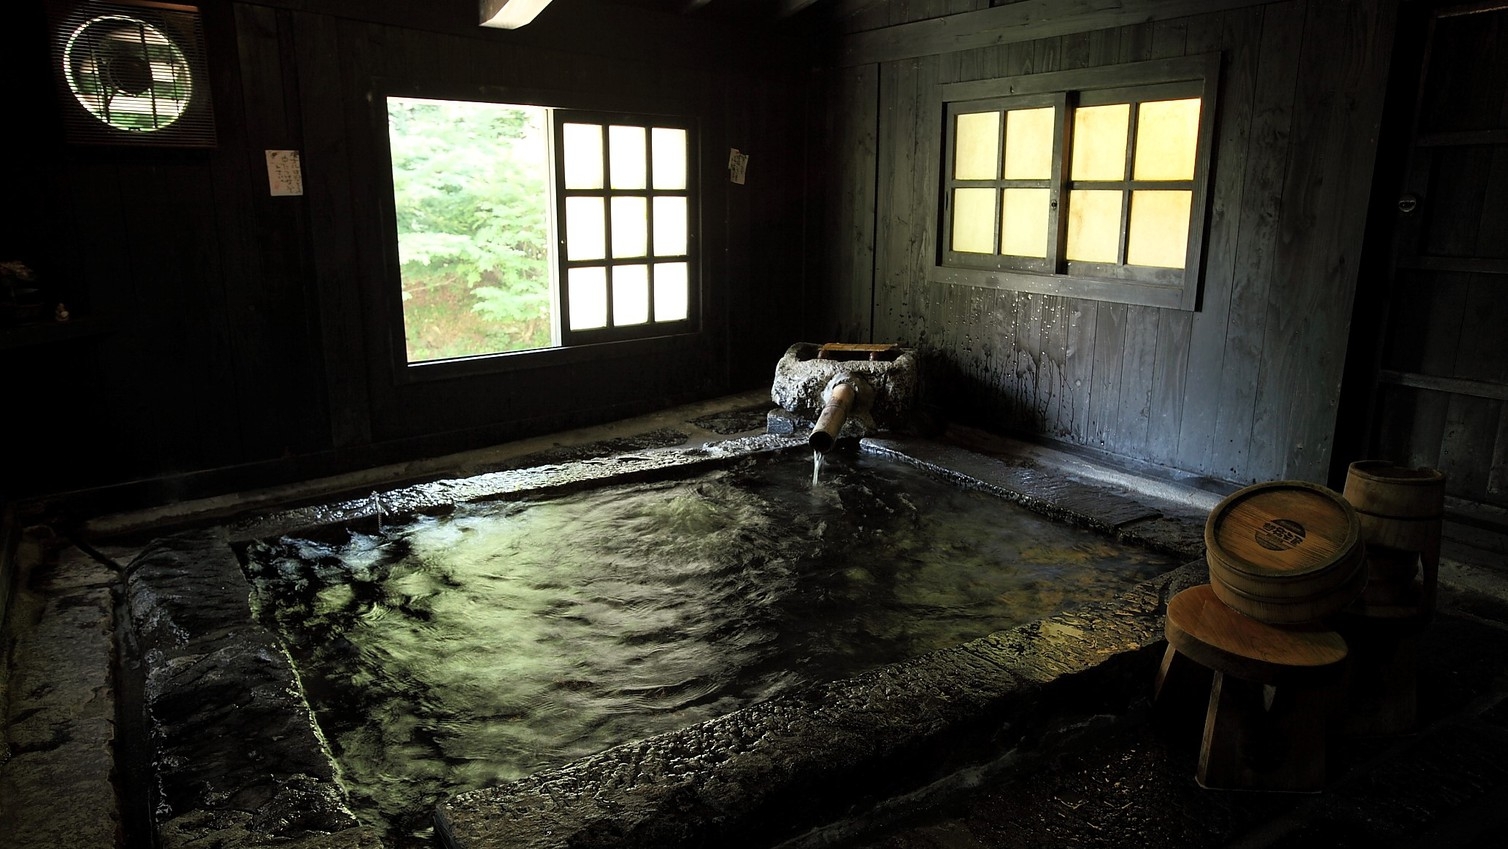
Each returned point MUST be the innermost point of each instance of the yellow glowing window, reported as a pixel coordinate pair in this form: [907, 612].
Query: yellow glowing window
[1024, 222]
[1099, 142]
[1167, 139]
[974, 214]
[1159, 228]
[1029, 143]
[1094, 225]
[1102, 179]
[978, 155]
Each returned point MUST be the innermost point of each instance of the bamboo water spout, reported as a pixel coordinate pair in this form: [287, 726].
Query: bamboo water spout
[843, 390]
[838, 402]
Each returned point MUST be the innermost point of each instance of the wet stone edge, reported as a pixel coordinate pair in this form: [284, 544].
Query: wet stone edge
[1089, 504]
[237, 758]
[443, 494]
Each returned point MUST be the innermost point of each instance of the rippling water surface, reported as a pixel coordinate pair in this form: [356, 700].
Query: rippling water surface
[447, 654]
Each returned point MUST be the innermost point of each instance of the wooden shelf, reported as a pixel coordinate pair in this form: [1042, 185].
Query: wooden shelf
[30, 334]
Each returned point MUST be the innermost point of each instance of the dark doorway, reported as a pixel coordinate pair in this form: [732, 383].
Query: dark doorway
[1432, 309]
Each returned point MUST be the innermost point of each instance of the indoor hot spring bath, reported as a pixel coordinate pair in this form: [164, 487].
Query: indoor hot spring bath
[450, 653]
[667, 647]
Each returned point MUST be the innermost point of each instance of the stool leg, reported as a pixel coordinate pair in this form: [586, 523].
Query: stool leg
[1179, 693]
[1173, 672]
[1382, 692]
[1258, 738]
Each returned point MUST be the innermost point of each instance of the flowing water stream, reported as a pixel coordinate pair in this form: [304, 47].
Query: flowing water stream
[456, 652]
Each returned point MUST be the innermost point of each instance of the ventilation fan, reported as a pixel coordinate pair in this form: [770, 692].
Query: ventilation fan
[133, 74]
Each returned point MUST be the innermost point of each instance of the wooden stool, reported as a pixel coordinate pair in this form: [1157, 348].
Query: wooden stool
[1270, 696]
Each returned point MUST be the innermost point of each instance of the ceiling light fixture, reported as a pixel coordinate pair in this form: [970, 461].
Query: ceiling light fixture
[510, 14]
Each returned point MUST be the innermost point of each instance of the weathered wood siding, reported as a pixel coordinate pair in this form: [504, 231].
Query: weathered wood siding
[1242, 389]
[1442, 366]
[248, 339]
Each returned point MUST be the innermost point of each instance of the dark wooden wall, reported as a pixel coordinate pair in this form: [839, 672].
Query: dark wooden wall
[1439, 297]
[1243, 389]
[223, 338]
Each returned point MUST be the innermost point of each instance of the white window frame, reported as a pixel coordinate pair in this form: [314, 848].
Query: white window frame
[569, 345]
[613, 331]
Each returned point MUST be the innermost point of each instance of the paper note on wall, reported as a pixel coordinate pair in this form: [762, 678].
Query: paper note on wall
[284, 174]
[738, 165]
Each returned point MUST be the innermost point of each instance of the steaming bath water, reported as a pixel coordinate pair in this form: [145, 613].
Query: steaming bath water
[457, 652]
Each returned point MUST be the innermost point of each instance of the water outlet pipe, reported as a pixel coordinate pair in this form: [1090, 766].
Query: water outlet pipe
[838, 400]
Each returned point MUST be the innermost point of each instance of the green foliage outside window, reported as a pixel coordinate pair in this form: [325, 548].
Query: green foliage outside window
[471, 190]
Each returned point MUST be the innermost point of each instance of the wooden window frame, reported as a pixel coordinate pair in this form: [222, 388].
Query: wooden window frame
[1117, 282]
[559, 117]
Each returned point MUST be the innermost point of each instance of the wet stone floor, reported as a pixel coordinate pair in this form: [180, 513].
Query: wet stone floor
[1445, 785]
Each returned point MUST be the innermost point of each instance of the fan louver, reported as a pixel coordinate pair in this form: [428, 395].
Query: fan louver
[133, 75]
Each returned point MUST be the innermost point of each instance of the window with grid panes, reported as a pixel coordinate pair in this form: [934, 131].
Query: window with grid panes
[1089, 182]
[523, 227]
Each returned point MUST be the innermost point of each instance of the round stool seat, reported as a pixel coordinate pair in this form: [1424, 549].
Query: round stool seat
[1204, 629]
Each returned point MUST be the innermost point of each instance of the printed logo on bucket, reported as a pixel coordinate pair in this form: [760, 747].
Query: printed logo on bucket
[1280, 534]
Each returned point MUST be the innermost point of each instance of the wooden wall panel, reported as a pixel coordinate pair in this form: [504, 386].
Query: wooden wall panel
[1411, 431]
[344, 349]
[1481, 353]
[909, 142]
[1236, 35]
[1471, 428]
[848, 122]
[1271, 117]
[1244, 388]
[248, 340]
[1325, 192]
[600, 382]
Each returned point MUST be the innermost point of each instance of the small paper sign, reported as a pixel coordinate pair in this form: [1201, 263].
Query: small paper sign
[284, 175]
[738, 166]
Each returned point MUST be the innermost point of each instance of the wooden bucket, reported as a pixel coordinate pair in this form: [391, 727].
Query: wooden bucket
[1400, 508]
[1285, 552]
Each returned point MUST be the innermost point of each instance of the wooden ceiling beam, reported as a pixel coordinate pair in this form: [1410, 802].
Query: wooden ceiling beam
[1020, 21]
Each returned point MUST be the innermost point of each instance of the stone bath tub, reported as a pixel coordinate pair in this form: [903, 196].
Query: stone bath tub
[236, 756]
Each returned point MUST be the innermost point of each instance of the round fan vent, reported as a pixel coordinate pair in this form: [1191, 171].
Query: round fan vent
[133, 73]
[128, 73]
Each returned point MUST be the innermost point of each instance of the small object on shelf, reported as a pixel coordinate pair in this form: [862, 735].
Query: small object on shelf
[60, 313]
[20, 299]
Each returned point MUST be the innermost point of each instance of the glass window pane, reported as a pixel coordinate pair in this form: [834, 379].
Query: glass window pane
[672, 295]
[976, 149]
[585, 228]
[974, 220]
[630, 226]
[1167, 135]
[1028, 143]
[1159, 229]
[496, 156]
[1023, 222]
[668, 147]
[1094, 225]
[670, 226]
[626, 162]
[588, 296]
[583, 156]
[630, 294]
[1099, 142]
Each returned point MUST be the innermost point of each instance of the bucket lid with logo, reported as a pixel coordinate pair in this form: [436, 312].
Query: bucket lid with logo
[1285, 552]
